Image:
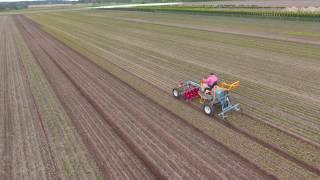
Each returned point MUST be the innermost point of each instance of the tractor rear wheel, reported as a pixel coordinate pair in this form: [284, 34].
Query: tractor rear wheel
[176, 93]
[208, 109]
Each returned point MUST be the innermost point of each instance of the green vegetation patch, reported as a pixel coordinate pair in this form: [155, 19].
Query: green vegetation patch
[247, 12]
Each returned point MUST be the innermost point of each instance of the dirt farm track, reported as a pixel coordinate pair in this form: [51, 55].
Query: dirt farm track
[91, 100]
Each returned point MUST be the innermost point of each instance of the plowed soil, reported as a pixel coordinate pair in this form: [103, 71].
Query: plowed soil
[128, 135]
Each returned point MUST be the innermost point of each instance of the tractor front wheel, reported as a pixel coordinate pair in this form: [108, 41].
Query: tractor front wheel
[208, 109]
[176, 93]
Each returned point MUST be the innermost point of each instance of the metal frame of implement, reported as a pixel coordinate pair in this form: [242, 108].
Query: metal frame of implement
[218, 99]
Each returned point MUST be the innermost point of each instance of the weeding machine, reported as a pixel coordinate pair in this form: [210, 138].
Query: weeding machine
[216, 99]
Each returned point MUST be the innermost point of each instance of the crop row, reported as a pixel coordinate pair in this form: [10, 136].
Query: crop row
[181, 70]
[101, 45]
[153, 137]
[71, 155]
[250, 90]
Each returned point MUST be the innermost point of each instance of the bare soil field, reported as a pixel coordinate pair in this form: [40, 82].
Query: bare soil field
[36, 140]
[87, 96]
[154, 142]
[162, 47]
[26, 151]
[161, 55]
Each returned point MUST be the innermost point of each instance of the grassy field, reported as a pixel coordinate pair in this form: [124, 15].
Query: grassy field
[160, 49]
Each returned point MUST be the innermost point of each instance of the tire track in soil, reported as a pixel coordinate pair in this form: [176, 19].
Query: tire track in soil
[81, 87]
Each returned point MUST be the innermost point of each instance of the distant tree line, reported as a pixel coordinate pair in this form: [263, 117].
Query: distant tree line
[25, 4]
[12, 5]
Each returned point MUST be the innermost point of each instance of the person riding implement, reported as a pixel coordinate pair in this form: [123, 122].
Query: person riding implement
[213, 96]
